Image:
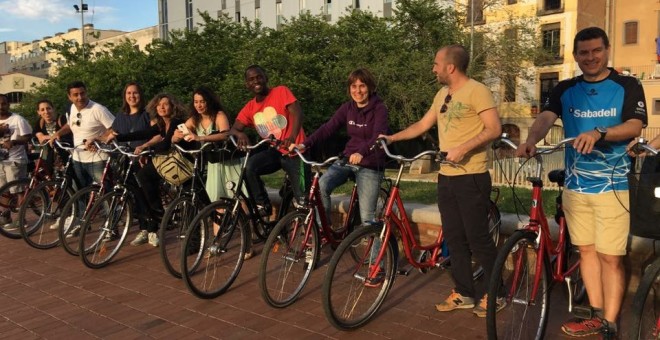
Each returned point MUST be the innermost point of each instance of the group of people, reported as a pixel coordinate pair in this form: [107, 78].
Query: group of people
[467, 118]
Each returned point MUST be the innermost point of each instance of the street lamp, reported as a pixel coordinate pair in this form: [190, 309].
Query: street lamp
[82, 9]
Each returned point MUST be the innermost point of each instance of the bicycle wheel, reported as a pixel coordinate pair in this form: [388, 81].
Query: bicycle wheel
[288, 258]
[105, 229]
[646, 305]
[40, 212]
[172, 232]
[211, 261]
[350, 298]
[74, 215]
[11, 197]
[513, 279]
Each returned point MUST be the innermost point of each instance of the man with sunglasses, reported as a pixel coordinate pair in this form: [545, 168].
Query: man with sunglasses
[467, 119]
[87, 120]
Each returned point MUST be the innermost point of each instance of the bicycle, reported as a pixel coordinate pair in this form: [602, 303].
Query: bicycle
[217, 239]
[294, 246]
[362, 269]
[645, 320]
[77, 208]
[13, 193]
[179, 213]
[104, 230]
[527, 258]
[42, 206]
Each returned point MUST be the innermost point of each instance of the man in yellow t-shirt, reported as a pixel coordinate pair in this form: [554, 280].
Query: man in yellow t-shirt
[467, 121]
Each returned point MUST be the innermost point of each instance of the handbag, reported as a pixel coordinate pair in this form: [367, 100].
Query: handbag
[644, 189]
[173, 167]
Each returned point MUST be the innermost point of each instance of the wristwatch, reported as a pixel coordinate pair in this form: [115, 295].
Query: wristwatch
[602, 131]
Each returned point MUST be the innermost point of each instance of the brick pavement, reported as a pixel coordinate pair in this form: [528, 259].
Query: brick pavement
[50, 294]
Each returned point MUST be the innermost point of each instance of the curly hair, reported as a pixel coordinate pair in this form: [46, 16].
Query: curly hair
[178, 109]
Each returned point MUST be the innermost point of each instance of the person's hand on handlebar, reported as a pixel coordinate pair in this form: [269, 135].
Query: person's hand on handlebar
[300, 147]
[584, 142]
[89, 145]
[387, 139]
[526, 150]
[241, 139]
[355, 158]
[287, 142]
[455, 155]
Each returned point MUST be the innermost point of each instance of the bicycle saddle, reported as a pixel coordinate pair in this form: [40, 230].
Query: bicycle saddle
[557, 176]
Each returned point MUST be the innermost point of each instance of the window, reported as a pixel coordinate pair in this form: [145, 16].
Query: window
[223, 4]
[511, 2]
[548, 82]
[510, 88]
[656, 106]
[356, 4]
[630, 32]
[278, 13]
[478, 12]
[551, 40]
[303, 5]
[238, 16]
[257, 9]
[327, 10]
[387, 8]
[163, 20]
[189, 14]
[550, 5]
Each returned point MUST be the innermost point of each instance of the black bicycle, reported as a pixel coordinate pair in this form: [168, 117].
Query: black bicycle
[217, 240]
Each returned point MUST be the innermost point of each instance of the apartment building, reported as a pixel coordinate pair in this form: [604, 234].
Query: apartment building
[184, 14]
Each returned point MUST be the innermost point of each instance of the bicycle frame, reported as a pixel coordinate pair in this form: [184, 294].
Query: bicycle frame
[538, 223]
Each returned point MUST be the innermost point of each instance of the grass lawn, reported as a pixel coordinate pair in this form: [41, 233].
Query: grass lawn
[425, 193]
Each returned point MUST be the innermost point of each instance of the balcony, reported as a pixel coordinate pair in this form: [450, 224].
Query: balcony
[643, 72]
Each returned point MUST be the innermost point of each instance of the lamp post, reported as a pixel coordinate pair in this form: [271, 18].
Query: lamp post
[82, 9]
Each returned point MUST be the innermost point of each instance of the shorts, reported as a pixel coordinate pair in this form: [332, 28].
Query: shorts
[599, 219]
[10, 171]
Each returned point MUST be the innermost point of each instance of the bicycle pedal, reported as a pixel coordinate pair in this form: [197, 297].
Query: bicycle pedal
[583, 312]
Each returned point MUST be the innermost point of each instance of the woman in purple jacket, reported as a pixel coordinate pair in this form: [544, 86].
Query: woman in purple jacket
[365, 117]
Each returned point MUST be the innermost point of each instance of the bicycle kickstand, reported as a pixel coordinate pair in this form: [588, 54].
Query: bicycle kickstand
[582, 312]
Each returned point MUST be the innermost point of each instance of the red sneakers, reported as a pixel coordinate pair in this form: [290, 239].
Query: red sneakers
[583, 327]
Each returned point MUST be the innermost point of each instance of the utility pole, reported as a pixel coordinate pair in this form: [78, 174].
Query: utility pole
[82, 9]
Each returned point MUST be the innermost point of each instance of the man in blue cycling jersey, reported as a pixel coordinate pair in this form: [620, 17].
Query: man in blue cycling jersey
[603, 111]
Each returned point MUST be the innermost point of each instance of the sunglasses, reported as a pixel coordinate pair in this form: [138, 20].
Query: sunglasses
[79, 116]
[444, 107]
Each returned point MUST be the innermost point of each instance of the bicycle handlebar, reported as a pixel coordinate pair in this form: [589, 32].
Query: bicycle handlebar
[439, 155]
[312, 163]
[119, 149]
[270, 139]
[641, 146]
[195, 151]
[64, 146]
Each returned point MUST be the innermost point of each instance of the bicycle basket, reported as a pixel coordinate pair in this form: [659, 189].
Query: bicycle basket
[644, 184]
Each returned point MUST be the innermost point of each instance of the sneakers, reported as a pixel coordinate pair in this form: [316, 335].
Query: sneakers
[5, 217]
[11, 226]
[111, 236]
[74, 232]
[482, 307]
[153, 239]
[141, 238]
[248, 254]
[377, 280]
[455, 301]
[67, 223]
[583, 327]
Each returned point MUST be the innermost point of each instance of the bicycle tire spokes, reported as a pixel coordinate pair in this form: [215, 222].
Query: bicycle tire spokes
[178, 216]
[645, 320]
[212, 261]
[290, 255]
[40, 214]
[514, 275]
[105, 231]
[355, 286]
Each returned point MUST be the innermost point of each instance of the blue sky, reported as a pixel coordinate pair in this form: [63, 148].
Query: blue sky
[27, 20]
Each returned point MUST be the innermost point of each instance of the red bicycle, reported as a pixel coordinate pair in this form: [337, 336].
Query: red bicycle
[362, 269]
[294, 246]
[529, 262]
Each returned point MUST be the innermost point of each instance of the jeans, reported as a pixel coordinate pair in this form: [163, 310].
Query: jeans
[368, 186]
[88, 173]
[463, 202]
[268, 161]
